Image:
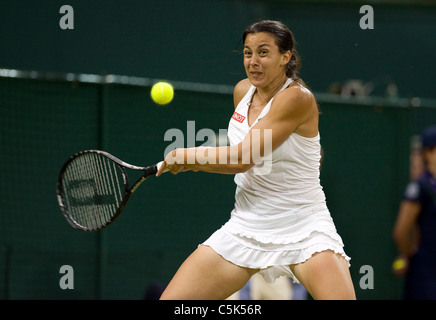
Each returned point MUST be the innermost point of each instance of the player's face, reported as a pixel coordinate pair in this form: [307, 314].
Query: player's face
[430, 156]
[263, 61]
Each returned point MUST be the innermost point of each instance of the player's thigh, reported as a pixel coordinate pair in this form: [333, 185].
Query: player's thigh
[326, 276]
[206, 275]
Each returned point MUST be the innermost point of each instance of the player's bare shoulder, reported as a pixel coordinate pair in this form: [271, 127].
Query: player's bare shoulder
[297, 98]
[240, 91]
[297, 103]
[299, 94]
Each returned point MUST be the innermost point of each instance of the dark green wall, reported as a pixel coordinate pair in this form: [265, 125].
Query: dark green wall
[42, 123]
[199, 41]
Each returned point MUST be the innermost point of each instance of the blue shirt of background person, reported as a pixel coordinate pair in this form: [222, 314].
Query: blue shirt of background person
[415, 228]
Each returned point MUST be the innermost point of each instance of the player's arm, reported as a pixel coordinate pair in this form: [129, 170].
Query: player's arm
[181, 156]
[404, 227]
[290, 109]
[240, 91]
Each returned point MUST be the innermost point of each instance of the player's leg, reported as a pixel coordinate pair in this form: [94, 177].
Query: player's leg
[326, 276]
[206, 275]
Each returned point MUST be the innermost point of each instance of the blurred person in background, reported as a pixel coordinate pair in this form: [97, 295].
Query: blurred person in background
[415, 228]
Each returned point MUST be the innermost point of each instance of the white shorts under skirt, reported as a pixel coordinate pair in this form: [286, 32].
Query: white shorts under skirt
[272, 259]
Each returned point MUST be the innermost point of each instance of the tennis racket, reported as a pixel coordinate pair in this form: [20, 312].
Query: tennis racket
[93, 188]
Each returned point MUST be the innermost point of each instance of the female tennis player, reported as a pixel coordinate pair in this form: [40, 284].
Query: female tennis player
[280, 224]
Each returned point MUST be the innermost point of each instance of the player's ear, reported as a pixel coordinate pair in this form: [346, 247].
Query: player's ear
[286, 57]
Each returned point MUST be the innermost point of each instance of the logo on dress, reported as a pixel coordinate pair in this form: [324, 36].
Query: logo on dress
[238, 117]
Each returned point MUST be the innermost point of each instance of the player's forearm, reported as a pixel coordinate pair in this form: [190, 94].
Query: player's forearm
[405, 232]
[226, 159]
[404, 244]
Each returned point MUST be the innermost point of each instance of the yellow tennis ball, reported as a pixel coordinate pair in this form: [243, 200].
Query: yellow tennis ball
[399, 263]
[162, 92]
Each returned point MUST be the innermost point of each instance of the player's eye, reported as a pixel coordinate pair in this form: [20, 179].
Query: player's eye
[263, 52]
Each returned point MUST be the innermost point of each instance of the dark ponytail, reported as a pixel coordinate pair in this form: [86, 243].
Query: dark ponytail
[294, 65]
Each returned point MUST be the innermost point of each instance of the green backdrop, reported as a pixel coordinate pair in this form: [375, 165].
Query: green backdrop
[42, 123]
[199, 41]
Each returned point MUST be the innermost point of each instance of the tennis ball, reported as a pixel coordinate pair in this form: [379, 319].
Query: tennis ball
[399, 264]
[162, 92]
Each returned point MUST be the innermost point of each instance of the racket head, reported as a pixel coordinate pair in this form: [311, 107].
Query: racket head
[92, 189]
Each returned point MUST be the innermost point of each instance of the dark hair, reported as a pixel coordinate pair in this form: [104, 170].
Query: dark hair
[428, 137]
[284, 39]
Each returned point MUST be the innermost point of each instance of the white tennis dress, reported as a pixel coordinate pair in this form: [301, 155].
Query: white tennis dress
[280, 217]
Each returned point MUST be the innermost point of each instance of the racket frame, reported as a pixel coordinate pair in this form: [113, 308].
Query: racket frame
[128, 191]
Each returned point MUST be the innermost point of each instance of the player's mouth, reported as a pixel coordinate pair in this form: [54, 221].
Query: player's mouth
[256, 74]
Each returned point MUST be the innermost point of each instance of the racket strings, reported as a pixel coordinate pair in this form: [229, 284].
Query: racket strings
[94, 190]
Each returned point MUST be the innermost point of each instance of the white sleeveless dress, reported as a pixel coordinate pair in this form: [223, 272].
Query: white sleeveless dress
[280, 215]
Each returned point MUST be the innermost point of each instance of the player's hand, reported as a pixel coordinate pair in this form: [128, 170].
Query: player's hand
[173, 162]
